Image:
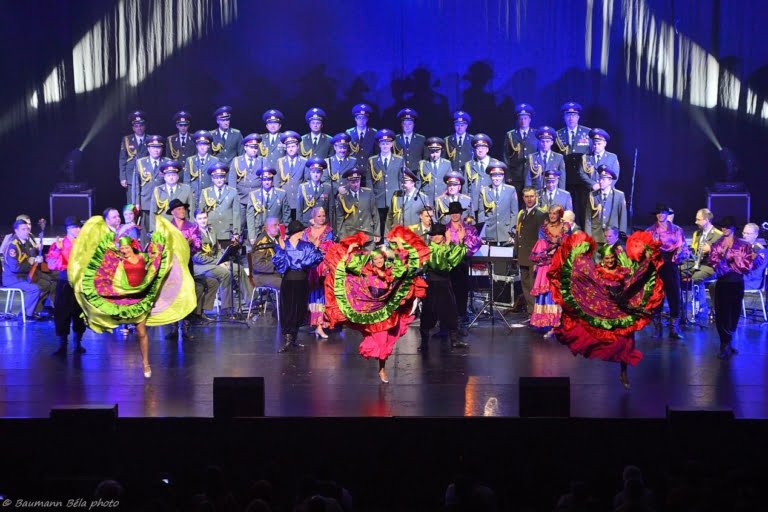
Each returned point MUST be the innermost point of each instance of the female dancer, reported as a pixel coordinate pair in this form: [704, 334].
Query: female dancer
[319, 234]
[375, 296]
[731, 258]
[546, 314]
[673, 251]
[122, 285]
[603, 305]
[293, 258]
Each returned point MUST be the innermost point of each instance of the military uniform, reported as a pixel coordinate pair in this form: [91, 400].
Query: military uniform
[413, 151]
[498, 206]
[519, 143]
[528, 224]
[358, 213]
[311, 196]
[222, 206]
[589, 163]
[605, 208]
[559, 196]
[335, 169]
[18, 259]
[384, 180]
[272, 147]
[430, 174]
[162, 195]
[149, 177]
[405, 207]
[443, 200]
[243, 177]
[196, 167]
[572, 146]
[315, 144]
[289, 177]
[209, 277]
[458, 149]
[421, 230]
[263, 204]
[180, 146]
[226, 145]
[361, 141]
[132, 148]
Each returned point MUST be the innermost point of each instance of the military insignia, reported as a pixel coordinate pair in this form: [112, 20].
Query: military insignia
[12, 252]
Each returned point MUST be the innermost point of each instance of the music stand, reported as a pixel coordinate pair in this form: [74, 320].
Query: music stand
[686, 278]
[490, 303]
[231, 254]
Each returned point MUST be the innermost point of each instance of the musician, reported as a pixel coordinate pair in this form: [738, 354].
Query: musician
[356, 208]
[291, 169]
[19, 256]
[607, 207]
[433, 170]
[66, 310]
[529, 221]
[408, 144]
[227, 142]
[209, 277]
[262, 269]
[315, 143]
[313, 192]
[272, 146]
[362, 142]
[266, 202]
[384, 175]
[454, 181]
[754, 278]
[180, 146]
[164, 194]
[701, 245]
[132, 148]
[424, 226]
[337, 164]
[222, 206]
[406, 203]
[673, 251]
[518, 145]
[242, 174]
[458, 145]
[498, 204]
[459, 231]
[148, 176]
[475, 169]
[731, 258]
[544, 160]
[196, 166]
[551, 195]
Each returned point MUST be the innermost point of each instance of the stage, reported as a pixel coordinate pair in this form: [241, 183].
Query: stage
[329, 379]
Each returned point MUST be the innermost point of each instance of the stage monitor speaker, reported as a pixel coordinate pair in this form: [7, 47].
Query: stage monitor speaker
[236, 397]
[736, 204]
[79, 204]
[545, 397]
[695, 416]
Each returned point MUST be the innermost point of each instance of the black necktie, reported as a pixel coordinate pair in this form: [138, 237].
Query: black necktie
[524, 135]
[154, 165]
[407, 143]
[218, 193]
[573, 138]
[482, 167]
[354, 196]
[461, 141]
[224, 136]
[386, 163]
[360, 135]
[183, 141]
[314, 141]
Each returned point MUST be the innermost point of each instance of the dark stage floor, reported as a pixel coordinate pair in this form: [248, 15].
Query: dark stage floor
[329, 378]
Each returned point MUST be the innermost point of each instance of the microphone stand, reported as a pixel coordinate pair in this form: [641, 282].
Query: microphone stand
[231, 254]
[632, 189]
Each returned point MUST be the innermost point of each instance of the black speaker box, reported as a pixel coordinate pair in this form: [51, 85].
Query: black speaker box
[677, 415]
[545, 397]
[235, 397]
[88, 416]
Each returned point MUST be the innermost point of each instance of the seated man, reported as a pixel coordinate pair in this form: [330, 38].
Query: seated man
[19, 257]
[262, 268]
[209, 277]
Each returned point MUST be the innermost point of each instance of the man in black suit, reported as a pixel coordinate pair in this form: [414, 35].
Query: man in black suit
[529, 221]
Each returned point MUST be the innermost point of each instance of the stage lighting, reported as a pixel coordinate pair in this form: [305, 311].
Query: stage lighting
[729, 173]
[67, 175]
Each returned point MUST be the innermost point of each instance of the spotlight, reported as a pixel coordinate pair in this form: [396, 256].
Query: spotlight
[67, 174]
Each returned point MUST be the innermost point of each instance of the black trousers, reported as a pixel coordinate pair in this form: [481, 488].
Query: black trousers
[439, 304]
[729, 293]
[670, 276]
[460, 282]
[382, 222]
[67, 311]
[294, 301]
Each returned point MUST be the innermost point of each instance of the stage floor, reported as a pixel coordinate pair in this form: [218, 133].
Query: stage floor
[329, 378]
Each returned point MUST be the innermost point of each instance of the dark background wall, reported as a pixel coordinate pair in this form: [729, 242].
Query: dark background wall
[435, 56]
